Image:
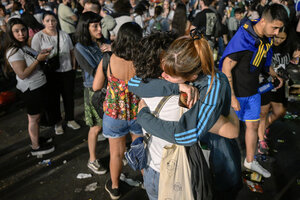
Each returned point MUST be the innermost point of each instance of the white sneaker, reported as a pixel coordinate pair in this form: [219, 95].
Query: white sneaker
[72, 124]
[101, 137]
[58, 129]
[255, 166]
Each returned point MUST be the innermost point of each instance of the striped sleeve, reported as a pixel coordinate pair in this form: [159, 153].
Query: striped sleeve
[194, 123]
[153, 87]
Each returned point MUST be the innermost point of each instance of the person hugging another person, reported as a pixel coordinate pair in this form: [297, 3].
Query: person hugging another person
[147, 66]
[189, 59]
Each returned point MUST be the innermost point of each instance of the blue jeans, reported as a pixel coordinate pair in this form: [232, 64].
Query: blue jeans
[151, 182]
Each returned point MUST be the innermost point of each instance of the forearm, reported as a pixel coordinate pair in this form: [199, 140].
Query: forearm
[228, 65]
[227, 126]
[272, 72]
[28, 70]
[153, 88]
[229, 77]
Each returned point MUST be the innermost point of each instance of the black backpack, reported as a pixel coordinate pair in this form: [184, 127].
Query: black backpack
[99, 96]
[217, 30]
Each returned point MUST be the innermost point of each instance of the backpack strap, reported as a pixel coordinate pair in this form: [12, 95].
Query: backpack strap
[160, 105]
[105, 63]
[156, 112]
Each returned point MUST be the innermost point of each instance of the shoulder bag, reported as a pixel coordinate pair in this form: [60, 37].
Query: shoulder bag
[99, 95]
[175, 174]
[52, 64]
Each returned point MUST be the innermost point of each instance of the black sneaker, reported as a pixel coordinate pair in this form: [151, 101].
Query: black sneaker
[114, 193]
[43, 149]
[43, 140]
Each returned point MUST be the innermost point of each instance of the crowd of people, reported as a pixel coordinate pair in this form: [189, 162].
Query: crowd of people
[220, 53]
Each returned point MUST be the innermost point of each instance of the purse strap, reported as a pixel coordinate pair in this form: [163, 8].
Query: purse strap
[58, 44]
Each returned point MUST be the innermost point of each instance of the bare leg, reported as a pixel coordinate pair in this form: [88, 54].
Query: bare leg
[134, 136]
[92, 141]
[251, 139]
[264, 110]
[117, 148]
[33, 129]
[278, 111]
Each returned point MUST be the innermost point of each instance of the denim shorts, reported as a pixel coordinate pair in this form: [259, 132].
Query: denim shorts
[116, 128]
[151, 182]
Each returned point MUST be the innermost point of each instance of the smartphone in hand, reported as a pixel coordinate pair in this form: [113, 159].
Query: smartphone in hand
[183, 100]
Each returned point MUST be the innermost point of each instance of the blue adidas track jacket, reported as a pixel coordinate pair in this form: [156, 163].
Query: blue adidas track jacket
[196, 121]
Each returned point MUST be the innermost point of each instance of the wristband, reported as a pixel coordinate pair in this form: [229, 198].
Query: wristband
[36, 58]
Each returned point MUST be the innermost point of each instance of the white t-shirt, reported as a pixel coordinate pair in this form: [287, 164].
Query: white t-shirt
[139, 20]
[43, 41]
[169, 112]
[37, 77]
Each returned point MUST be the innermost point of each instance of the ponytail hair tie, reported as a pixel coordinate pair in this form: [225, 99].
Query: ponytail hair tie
[197, 34]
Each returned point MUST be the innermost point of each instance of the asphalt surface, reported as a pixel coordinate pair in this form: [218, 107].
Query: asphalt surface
[22, 177]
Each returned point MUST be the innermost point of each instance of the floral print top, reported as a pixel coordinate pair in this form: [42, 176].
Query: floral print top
[119, 102]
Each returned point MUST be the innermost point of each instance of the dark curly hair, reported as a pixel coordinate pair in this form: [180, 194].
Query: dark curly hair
[127, 39]
[147, 54]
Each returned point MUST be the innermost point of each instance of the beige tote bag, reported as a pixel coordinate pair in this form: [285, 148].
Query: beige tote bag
[175, 175]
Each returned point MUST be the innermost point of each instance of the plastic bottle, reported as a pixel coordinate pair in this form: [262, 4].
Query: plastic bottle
[265, 88]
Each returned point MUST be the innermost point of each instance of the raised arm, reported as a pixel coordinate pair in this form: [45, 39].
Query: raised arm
[22, 70]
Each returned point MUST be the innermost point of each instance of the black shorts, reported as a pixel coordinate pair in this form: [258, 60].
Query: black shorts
[278, 97]
[34, 100]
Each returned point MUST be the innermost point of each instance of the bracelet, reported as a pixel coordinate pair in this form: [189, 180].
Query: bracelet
[36, 58]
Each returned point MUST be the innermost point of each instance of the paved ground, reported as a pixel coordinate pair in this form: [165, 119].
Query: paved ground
[21, 177]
